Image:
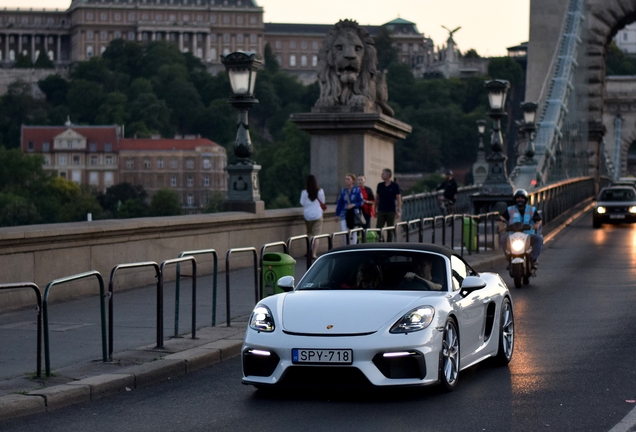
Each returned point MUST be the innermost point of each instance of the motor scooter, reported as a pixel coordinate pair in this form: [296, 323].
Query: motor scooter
[518, 254]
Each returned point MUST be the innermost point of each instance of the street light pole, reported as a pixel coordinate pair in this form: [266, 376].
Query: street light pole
[243, 186]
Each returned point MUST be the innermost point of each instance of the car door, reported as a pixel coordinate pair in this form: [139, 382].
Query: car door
[471, 309]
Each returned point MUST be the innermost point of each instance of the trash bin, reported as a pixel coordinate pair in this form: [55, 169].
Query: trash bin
[372, 236]
[275, 266]
[470, 234]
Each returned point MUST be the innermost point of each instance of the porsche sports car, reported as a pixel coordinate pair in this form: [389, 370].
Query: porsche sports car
[615, 204]
[379, 314]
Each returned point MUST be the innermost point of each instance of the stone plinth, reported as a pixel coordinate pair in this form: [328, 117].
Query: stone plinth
[243, 192]
[350, 142]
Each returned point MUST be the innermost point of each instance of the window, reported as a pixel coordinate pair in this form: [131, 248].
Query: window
[173, 181]
[47, 161]
[108, 147]
[460, 270]
[226, 19]
[314, 45]
[240, 38]
[206, 181]
[292, 45]
[108, 160]
[30, 146]
[103, 36]
[69, 144]
[93, 178]
[92, 147]
[130, 164]
[147, 164]
[212, 53]
[160, 181]
[108, 179]
[190, 200]
[62, 160]
[89, 51]
[278, 44]
[303, 45]
[303, 61]
[190, 181]
[46, 147]
[173, 164]
[189, 164]
[292, 61]
[239, 19]
[206, 164]
[94, 160]
[252, 20]
[159, 163]
[314, 60]
[63, 174]
[103, 16]
[76, 160]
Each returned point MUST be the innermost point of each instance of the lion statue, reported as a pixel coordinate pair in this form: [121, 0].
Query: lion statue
[347, 71]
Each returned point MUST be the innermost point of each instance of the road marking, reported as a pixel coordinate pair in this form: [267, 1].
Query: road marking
[553, 233]
[627, 423]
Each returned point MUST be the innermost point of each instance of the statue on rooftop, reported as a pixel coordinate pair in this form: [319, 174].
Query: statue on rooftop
[347, 71]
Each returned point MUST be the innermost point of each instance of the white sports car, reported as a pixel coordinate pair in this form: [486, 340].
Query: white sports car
[381, 314]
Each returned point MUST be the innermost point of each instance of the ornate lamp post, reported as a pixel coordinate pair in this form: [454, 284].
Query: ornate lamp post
[529, 129]
[497, 182]
[243, 186]
[480, 167]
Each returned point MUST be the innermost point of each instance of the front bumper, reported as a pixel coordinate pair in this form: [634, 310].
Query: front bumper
[418, 366]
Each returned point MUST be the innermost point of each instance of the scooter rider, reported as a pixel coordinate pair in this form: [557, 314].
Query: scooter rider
[528, 215]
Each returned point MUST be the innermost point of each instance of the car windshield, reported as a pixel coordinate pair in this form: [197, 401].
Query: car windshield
[377, 270]
[617, 195]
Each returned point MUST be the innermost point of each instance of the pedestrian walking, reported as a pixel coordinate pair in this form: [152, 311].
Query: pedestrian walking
[313, 201]
[349, 200]
[388, 202]
[367, 199]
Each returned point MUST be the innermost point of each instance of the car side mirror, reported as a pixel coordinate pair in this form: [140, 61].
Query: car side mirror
[286, 283]
[472, 283]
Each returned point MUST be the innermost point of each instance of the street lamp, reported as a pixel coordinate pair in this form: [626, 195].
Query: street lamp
[241, 68]
[481, 129]
[480, 167]
[243, 187]
[497, 182]
[529, 129]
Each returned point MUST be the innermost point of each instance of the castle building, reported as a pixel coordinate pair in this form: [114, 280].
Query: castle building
[206, 28]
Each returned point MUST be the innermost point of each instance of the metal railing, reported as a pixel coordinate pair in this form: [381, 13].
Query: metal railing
[426, 204]
[45, 309]
[177, 261]
[111, 296]
[38, 297]
[178, 285]
[227, 278]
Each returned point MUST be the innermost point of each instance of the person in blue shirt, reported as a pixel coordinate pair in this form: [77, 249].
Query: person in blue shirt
[350, 198]
[522, 212]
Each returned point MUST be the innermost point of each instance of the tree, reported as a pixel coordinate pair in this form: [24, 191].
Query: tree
[387, 54]
[84, 99]
[113, 110]
[43, 61]
[23, 62]
[55, 88]
[271, 64]
[617, 62]
[505, 68]
[165, 203]
[471, 54]
[119, 194]
[215, 203]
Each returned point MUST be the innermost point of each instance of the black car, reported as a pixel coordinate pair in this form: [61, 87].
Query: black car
[615, 204]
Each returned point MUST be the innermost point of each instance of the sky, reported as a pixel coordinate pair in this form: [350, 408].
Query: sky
[489, 26]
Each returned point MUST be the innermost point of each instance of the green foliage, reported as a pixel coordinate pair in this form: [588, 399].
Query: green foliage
[505, 68]
[55, 88]
[124, 200]
[165, 203]
[215, 203]
[43, 61]
[23, 62]
[617, 62]
[387, 53]
[471, 54]
[427, 184]
[271, 64]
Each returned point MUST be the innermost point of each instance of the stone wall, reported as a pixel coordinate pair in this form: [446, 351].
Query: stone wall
[42, 253]
[31, 76]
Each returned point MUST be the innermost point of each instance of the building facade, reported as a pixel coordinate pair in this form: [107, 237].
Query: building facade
[193, 167]
[206, 28]
[82, 154]
[98, 156]
[625, 39]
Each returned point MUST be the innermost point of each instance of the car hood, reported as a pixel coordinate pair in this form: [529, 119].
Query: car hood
[347, 312]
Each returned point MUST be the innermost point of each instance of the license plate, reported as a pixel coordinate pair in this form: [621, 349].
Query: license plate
[617, 216]
[322, 356]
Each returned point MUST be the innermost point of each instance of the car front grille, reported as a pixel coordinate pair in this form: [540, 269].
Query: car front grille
[323, 377]
[408, 366]
[259, 365]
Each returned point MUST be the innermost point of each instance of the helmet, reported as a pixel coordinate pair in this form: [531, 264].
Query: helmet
[449, 172]
[521, 193]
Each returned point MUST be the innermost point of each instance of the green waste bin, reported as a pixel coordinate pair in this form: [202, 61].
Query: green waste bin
[372, 236]
[275, 266]
[470, 234]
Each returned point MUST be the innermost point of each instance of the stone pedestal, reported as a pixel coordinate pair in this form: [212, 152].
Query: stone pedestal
[243, 192]
[350, 142]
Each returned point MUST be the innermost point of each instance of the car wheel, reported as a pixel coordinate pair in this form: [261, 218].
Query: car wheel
[506, 334]
[449, 357]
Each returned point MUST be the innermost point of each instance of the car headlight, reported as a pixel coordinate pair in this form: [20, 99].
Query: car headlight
[262, 319]
[414, 320]
[601, 210]
[518, 245]
[632, 209]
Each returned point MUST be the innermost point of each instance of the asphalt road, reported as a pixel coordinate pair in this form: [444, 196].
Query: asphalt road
[574, 368]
